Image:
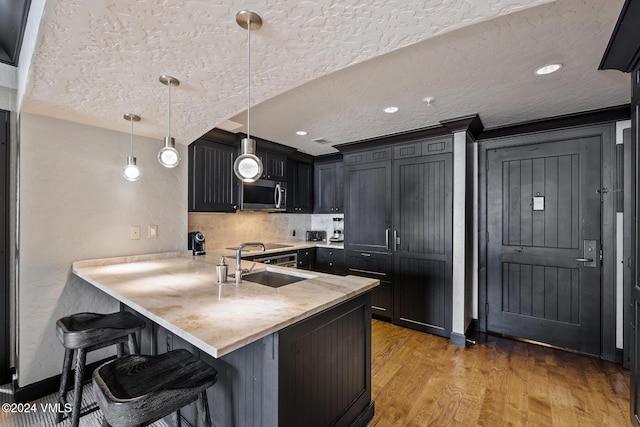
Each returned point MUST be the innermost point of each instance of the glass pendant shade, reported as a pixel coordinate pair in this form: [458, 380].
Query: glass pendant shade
[168, 155]
[248, 167]
[131, 172]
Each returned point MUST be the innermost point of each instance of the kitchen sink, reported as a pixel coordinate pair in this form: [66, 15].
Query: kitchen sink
[275, 278]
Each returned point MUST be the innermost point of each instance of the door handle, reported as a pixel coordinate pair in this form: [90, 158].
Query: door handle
[589, 253]
[386, 238]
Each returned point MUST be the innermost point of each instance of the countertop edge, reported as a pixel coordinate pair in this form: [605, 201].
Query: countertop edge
[213, 351]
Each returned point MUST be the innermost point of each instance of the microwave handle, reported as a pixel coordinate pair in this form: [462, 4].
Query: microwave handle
[278, 196]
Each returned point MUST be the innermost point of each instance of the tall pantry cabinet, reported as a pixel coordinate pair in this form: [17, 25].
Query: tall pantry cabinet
[398, 213]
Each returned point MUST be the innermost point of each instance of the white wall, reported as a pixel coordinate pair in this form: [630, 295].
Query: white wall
[74, 204]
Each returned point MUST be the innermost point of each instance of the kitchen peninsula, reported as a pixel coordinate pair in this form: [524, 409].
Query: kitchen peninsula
[299, 354]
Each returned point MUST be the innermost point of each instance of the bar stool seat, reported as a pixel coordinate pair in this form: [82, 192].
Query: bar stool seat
[135, 390]
[85, 332]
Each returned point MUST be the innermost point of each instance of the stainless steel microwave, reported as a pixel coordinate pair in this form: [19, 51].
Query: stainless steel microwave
[263, 195]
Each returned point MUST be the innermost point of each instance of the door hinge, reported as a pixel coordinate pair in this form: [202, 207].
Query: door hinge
[600, 255]
[487, 236]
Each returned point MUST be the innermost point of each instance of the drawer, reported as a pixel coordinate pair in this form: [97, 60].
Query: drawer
[369, 264]
[382, 301]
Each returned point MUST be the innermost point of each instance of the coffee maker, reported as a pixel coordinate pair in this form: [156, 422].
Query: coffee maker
[338, 230]
[196, 243]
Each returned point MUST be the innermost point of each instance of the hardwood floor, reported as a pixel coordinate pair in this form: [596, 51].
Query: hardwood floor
[422, 380]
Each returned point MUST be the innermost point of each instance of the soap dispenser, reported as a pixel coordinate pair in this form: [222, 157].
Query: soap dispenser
[222, 270]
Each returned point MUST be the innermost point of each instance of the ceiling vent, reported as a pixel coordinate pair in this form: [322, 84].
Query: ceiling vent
[321, 141]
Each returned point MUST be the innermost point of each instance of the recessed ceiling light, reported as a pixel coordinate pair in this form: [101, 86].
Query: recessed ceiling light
[301, 133]
[548, 69]
[391, 110]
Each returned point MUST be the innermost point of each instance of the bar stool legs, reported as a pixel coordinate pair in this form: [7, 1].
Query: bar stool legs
[64, 381]
[85, 332]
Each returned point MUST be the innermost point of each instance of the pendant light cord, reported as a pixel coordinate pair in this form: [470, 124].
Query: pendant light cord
[131, 137]
[169, 110]
[249, 78]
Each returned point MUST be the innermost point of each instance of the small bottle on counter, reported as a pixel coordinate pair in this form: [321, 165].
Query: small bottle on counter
[222, 269]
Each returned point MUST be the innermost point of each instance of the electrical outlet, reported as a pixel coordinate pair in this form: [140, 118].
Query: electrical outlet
[152, 231]
[135, 232]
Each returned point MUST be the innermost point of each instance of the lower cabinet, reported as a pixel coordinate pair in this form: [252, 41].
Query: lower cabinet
[330, 260]
[314, 372]
[378, 266]
[306, 259]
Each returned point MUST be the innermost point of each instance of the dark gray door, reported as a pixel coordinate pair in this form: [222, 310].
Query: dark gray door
[543, 253]
[5, 376]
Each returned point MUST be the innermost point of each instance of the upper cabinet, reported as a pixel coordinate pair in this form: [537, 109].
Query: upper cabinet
[300, 183]
[213, 186]
[274, 158]
[329, 185]
[274, 165]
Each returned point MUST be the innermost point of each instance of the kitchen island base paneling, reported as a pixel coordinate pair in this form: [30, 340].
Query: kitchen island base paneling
[316, 372]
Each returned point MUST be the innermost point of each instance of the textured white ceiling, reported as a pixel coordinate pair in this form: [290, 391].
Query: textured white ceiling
[325, 66]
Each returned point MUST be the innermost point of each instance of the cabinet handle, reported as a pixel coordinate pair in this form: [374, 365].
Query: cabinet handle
[386, 238]
[396, 240]
[364, 254]
[357, 270]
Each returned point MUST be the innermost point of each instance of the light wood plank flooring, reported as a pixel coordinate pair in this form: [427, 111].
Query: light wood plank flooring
[422, 380]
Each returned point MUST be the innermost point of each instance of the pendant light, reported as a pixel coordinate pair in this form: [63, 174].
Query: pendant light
[131, 172]
[248, 166]
[168, 155]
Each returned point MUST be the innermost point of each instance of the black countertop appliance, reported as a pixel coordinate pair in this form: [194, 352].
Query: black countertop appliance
[196, 242]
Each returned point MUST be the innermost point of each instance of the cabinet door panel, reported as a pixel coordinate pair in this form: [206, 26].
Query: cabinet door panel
[326, 184]
[368, 207]
[303, 189]
[422, 225]
[212, 183]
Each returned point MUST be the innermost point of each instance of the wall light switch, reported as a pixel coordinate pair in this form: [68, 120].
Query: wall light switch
[152, 231]
[135, 232]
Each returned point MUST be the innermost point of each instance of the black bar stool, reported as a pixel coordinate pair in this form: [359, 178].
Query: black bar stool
[85, 332]
[135, 390]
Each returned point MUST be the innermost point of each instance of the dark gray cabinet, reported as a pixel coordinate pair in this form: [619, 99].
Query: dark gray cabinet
[330, 260]
[273, 164]
[329, 186]
[299, 185]
[306, 258]
[377, 266]
[213, 186]
[368, 203]
[398, 214]
[422, 227]
[324, 368]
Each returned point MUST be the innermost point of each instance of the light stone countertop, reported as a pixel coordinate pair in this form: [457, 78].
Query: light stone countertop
[180, 293]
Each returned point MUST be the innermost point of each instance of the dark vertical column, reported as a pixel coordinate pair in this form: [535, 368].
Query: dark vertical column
[5, 376]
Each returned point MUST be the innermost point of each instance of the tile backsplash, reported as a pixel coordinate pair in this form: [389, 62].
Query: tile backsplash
[229, 229]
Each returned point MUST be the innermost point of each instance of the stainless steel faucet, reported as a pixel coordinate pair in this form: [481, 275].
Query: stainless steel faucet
[239, 271]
